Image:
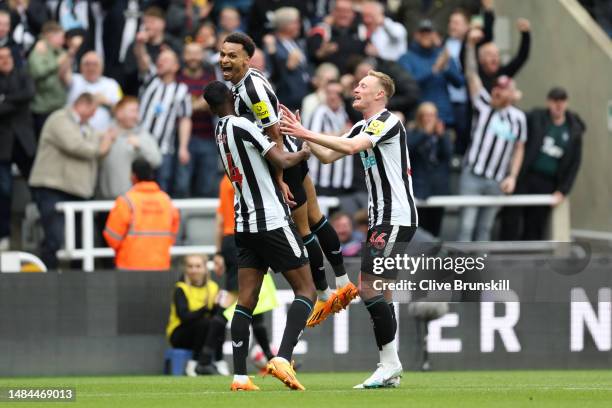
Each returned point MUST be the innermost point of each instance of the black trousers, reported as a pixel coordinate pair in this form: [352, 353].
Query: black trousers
[430, 219]
[191, 335]
[528, 223]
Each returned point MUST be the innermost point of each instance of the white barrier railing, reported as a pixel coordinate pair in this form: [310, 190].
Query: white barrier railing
[88, 252]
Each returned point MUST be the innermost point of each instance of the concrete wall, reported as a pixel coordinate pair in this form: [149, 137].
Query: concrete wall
[569, 49]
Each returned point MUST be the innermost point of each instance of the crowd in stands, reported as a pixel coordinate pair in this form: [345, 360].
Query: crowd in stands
[87, 87]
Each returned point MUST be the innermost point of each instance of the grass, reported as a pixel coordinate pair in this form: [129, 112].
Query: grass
[582, 389]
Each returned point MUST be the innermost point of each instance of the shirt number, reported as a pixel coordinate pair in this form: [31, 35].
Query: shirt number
[234, 172]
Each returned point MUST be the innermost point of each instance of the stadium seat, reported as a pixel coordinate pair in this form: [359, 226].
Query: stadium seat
[175, 360]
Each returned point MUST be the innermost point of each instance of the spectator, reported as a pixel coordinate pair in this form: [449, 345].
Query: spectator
[106, 90]
[458, 26]
[202, 169]
[132, 143]
[7, 41]
[194, 302]
[27, 19]
[430, 154]
[183, 16]
[164, 116]
[350, 241]
[341, 178]
[337, 42]
[387, 38]
[287, 58]
[431, 66]
[490, 67]
[495, 153]
[258, 61]
[261, 16]
[361, 223]
[324, 73]
[143, 224]
[153, 38]
[229, 20]
[552, 159]
[406, 95]
[411, 12]
[50, 68]
[17, 141]
[206, 36]
[65, 167]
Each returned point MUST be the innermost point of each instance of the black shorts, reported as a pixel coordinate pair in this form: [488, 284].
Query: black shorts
[294, 177]
[281, 249]
[230, 256]
[385, 241]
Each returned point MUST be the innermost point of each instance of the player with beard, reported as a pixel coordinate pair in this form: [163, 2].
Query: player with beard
[255, 99]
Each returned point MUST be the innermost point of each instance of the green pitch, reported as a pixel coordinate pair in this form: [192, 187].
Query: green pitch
[576, 389]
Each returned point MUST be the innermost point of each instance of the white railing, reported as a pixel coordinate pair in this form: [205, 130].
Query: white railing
[88, 252]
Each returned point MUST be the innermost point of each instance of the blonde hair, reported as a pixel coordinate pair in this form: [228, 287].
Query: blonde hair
[284, 16]
[385, 82]
[418, 117]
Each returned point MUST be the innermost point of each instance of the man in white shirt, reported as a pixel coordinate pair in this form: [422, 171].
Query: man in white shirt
[106, 90]
[387, 38]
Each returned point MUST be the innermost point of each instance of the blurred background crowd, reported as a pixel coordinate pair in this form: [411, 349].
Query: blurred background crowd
[86, 87]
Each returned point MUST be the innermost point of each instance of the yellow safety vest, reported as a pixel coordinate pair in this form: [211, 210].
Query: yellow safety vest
[197, 297]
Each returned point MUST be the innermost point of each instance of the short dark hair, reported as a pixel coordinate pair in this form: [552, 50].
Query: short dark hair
[242, 39]
[142, 170]
[216, 94]
[557, 94]
[154, 11]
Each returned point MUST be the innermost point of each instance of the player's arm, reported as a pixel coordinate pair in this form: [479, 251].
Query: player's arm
[342, 145]
[324, 154]
[283, 160]
[471, 64]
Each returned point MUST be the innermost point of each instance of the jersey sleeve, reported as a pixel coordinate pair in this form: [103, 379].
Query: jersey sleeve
[262, 102]
[382, 129]
[482, 100]
[252, 134]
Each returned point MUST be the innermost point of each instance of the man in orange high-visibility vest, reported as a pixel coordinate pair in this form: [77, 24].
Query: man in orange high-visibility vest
[143, 224]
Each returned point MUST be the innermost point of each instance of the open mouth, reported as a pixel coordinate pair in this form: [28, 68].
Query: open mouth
[226, 69]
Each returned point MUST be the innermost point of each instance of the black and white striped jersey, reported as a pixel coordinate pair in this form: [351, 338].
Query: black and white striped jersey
[336, 176]
[258, 202]
[387, 170]
[495, 133]
[254, 98]
[161, 105]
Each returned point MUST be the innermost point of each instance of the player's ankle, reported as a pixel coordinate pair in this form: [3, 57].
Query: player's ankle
[323, 295]
[342, 280]
[241, 379]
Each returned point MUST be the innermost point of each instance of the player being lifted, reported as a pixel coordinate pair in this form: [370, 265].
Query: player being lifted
[265, 236]
[380, 139]
[254, 98]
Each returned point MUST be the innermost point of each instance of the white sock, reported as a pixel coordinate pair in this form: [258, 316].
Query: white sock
[283, 359]
[388, 354]
[241, 379]
[342, 281]
[324, 294]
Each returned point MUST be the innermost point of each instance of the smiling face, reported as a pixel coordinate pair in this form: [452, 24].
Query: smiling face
[234, 62]
[489, 58]
[91, 66]
[367, 92]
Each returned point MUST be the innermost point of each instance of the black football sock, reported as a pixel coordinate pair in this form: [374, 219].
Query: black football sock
[392, 307]
[240, 338]
[315, 256]
[261, 335]
[382, 319]
[330, 244]
[215, 336]
[297, 315]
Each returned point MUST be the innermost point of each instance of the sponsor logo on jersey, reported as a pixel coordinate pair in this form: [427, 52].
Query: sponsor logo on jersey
[261, 110]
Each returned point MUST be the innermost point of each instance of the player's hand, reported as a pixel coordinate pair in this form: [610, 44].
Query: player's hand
[184, 156]
[306, 151]
[219, 262]
[287, 195]
[508, 184]
[290, 124]
[523, 25]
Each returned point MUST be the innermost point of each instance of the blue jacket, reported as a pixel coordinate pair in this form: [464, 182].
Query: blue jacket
[418, 62]
[430, 163]
[291, 85]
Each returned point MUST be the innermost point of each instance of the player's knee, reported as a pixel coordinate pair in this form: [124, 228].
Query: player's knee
[308, 291]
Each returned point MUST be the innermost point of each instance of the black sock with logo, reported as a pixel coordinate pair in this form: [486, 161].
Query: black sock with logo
[240, 338]
[315, 257]
[297, 315]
